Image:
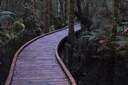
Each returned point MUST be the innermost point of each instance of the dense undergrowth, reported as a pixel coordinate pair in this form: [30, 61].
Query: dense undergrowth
[7, 53]
[90, 61]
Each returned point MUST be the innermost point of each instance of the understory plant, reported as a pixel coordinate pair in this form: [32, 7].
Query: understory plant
[98, 40]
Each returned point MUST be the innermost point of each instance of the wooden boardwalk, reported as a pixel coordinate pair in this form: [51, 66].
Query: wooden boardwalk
[37, 62]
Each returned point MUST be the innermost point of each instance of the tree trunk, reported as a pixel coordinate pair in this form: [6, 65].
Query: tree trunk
[6, 5]
[71, 35]
[67, 10]
[62, 11]
[85, 22]
[0, 2]
[112, 37]
[47, 16]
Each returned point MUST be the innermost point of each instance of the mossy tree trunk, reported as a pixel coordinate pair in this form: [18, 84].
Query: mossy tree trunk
[71, 33]
[116, 14]
[67, 11]
[47, 16]
[84, 20]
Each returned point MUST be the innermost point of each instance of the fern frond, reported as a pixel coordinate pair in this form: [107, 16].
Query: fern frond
[87, 36]
[122, 38]
[119, 29]
[124, 23]
[119, 42]
[7, 13]
[6, 17]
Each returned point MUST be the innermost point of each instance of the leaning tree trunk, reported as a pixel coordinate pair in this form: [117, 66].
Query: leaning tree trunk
[71, 35]
[47, 16]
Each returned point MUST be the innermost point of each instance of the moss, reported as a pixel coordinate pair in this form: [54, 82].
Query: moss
[38, 29]
[121, 55]
[106, 56]
[18, 27]
[52, 28]
[96, 56]
[1, 42]
[7, 34]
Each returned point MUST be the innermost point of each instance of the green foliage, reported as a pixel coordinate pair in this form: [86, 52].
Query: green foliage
[124, 23]
[121, 55]
[18, 27]
[6, 16]
[8, 34]
[119, 42]
[120, 29]
[52, 28]
[7, 13]
[67, 44]
[1, 42]
[96, 34]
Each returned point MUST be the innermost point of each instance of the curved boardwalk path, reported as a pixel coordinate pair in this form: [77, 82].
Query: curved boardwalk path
[36, 63]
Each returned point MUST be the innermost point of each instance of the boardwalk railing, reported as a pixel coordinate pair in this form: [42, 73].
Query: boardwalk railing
[11, 72]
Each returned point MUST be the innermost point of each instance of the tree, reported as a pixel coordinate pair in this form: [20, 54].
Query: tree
[85, 22]
[112, 37]
[47, 16]
[0, 2]
[71, 36]
[6, 5]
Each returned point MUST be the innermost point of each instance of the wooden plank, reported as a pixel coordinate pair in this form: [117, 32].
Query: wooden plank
[41, 71]
[40, 83]
[40, 74]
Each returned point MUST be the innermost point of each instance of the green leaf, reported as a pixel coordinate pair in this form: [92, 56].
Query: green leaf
[122, 38]
[124, 23]
[119, 29]
[96, 44]
[92, 38]
[119, 42]
[7, 13]
[106, 47]
[68, 45]
[87, 36]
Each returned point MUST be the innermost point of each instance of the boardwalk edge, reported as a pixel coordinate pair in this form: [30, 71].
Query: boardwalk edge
[68, 74]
